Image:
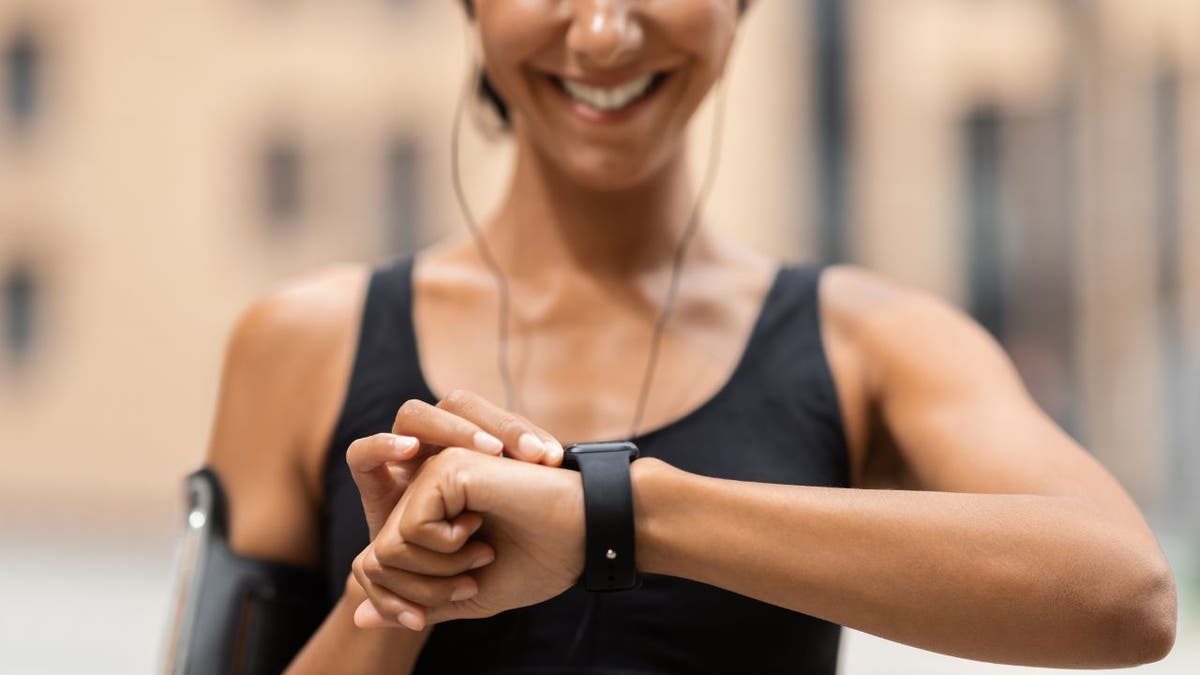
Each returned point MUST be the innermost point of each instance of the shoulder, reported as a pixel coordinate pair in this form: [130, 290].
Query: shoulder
[894, 348]
[288, 348]
[865, 301]
[900, 331]
[297, 316]
[287, 363]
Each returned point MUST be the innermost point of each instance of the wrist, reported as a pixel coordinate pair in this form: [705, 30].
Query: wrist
[655, 490]
[353, 594]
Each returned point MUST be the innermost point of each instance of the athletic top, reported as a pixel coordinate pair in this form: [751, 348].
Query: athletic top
[776, 420]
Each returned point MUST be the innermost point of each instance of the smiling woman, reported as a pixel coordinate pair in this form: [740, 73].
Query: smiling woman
[488, 92]
[359, 435]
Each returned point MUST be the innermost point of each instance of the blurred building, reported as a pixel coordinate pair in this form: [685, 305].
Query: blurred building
[162, 164]
[1031, 159]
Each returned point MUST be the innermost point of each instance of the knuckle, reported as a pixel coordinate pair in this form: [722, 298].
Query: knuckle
[457, 399]
[511, 426]
[371, 566]
[385, 544]
[357, 567]
[450, 459]
[411, 409]
[409, 531]
[393, 555]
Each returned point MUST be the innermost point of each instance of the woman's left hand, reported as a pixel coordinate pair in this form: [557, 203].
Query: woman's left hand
[532, 516]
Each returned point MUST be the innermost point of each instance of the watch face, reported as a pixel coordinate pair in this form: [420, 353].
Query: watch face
[603, 446]
[572, 452]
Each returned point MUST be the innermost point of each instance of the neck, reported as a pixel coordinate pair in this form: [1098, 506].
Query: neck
[548, 224]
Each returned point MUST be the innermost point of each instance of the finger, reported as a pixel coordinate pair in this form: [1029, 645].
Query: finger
[466, 609]
[387, 605]
[382, 609]
[439, 427]
[425, 524]
[420, 560]
[523, 439]
[368, 458]
[420, 589]
[367, 615]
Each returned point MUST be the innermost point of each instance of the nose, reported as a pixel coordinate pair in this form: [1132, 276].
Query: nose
[605, 33]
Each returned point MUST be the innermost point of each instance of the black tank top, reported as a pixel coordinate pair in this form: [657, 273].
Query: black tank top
[776, 420]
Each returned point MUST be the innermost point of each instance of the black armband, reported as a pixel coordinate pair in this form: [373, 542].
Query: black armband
[234, 614]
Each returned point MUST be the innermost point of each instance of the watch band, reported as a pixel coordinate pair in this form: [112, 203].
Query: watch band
[609, 563]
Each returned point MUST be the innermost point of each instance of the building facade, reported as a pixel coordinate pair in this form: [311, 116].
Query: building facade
[163, 164]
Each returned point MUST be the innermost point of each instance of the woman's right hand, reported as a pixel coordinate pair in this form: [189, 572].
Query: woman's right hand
[383, 465]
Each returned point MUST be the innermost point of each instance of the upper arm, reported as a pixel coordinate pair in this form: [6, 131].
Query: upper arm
[286, 364]
[952, 407]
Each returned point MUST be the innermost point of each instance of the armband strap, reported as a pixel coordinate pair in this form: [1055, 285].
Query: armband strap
[234, 614]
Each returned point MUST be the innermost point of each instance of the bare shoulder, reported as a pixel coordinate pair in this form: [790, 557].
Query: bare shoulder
[287, 362]
[300, 312]
[894, 348]
[860, 299]
[902, 332]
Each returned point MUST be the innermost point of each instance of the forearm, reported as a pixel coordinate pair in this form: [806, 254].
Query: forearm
[339, 646]
[1005, 578]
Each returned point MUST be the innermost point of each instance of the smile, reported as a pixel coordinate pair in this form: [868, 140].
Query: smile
[610, 99]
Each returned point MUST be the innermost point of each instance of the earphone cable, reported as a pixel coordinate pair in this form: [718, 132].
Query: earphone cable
[512, 397]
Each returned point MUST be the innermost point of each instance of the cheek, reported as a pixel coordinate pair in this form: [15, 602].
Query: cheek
[511, 31]
[702, 28]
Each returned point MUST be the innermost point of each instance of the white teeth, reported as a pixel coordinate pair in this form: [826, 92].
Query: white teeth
[612, 98]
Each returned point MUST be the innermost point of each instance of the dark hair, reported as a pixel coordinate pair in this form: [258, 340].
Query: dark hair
[488, 93]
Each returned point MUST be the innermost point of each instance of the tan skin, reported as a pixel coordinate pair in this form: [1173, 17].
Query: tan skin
[991, 534]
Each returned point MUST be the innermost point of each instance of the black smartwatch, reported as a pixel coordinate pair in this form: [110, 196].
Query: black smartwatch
[608, 559]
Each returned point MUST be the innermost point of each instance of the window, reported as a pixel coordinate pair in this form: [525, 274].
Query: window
[283, 182]
[833, 151]
[1181, 369]
[402, 208]
[985, 226]
[22, 69]
[20, 312]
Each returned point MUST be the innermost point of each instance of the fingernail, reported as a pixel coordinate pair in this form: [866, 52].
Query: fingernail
[481, 561]
[403, 443]
[462, 593]
[488, 443]
[555, 452]
[531, 446]
[409, 620]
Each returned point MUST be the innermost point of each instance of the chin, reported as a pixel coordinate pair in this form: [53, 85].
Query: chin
[612, 171]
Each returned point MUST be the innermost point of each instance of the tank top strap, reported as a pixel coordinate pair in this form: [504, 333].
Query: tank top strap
[787, 337]
[385, 370]
[786, 369]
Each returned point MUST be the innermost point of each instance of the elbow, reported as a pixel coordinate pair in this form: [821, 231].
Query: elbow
[1140, 624]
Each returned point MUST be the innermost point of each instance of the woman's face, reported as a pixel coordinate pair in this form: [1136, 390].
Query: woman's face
[604, 89]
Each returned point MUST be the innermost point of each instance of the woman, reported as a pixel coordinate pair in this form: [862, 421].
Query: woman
[775, 395]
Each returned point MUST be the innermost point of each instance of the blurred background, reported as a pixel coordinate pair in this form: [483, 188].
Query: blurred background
[162, 164]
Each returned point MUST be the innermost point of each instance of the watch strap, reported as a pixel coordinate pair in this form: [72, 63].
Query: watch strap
[609, 560]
